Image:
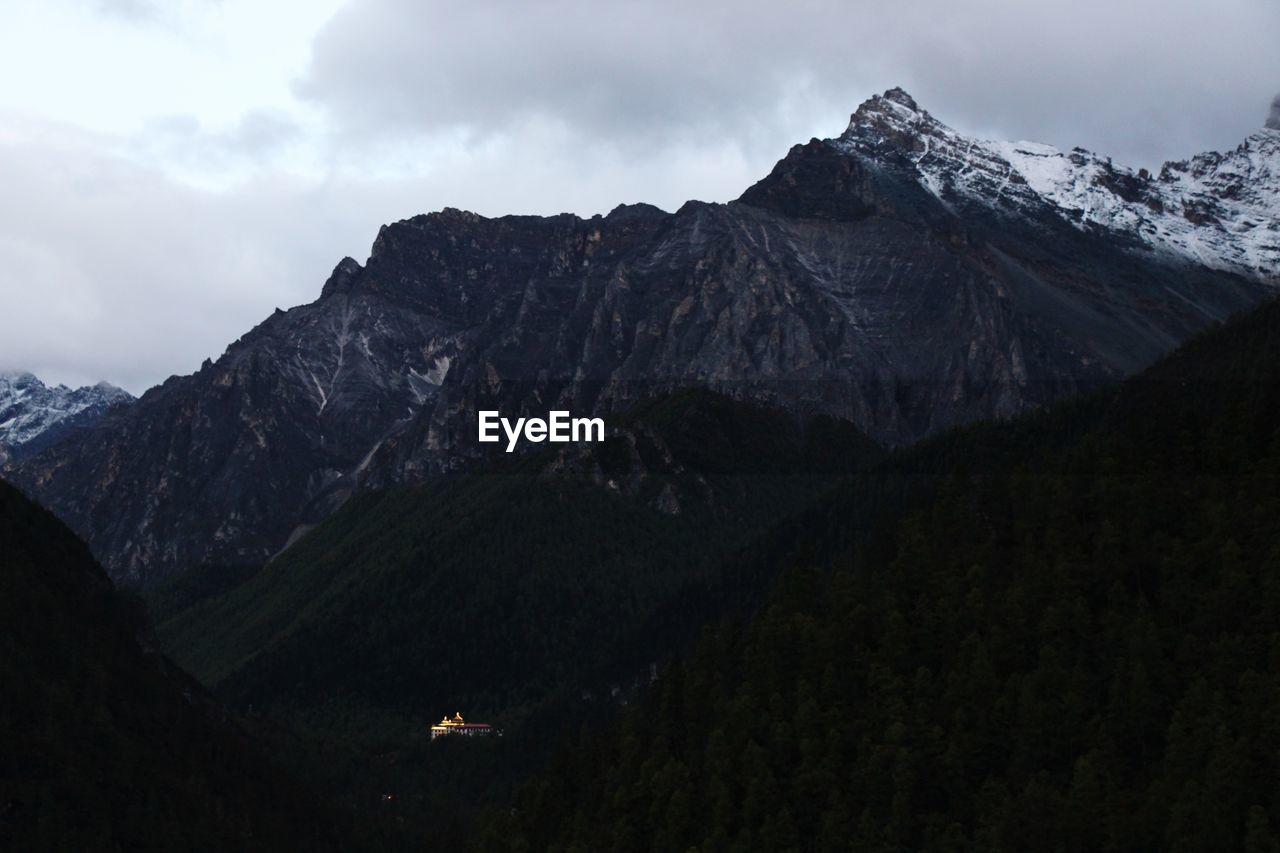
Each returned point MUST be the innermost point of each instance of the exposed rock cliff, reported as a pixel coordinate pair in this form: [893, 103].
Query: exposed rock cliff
[901, 276]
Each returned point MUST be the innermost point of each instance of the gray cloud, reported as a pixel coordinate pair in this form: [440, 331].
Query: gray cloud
[261, 139]
[129, 10]
[1144, 80]
[110, 268]
[622, 71]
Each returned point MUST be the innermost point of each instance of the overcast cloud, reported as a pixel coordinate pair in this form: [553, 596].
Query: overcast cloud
[173, 172]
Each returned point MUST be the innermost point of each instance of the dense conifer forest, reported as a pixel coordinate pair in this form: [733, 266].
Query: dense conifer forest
[524, 595]
[107, 746]
[1072, 643]
[1059, 633]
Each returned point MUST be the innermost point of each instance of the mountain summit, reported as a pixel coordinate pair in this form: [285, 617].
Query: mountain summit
[1214, 210]
[34, 416]
[1273, 120]
[901, 276]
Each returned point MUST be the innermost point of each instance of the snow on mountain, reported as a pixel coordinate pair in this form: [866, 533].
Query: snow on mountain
[34, 415]
[1214, 210]
[903, 277]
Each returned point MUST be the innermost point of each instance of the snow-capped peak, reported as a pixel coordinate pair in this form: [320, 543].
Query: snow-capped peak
[34, 415]
[1217, 210]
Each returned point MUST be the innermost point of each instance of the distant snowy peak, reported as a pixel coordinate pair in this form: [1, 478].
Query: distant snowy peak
[34, 416]
[1220, 211]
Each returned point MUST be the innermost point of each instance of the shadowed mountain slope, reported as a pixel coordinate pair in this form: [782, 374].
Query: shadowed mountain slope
[1070, 644]
[900, 276]
[104, 744]
[518, 586]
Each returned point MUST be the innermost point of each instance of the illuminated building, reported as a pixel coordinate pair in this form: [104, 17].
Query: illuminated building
[455, 725]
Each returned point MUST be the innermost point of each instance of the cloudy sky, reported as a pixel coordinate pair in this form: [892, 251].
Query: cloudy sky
[173, 170]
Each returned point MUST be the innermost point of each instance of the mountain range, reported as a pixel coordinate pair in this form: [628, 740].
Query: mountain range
[900, 276]
[936, 511]
[34, 416]
[1051, 632]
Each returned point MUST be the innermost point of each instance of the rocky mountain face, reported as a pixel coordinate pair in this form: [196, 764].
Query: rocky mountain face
[901, 276]
[1214, 210]
[34, 416]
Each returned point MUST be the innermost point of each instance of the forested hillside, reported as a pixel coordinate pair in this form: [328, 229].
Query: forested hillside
[1074, 645]
[534, 594]
[107, 746]
[495, 590]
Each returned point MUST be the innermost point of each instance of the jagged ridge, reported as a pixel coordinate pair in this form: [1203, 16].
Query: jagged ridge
[34, 416]
[880, 277]
[1214, 210]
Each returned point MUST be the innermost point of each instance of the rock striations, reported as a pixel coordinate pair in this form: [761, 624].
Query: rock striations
[902, 276]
